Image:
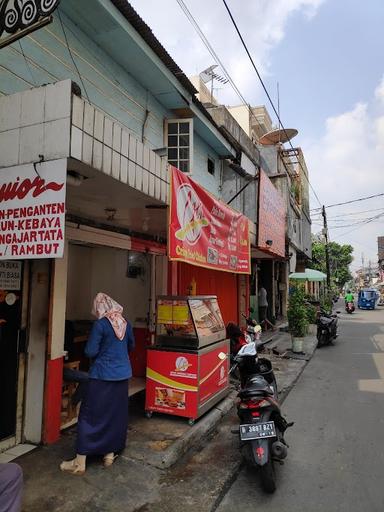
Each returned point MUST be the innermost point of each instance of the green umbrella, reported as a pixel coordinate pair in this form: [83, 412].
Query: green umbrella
[309, 275]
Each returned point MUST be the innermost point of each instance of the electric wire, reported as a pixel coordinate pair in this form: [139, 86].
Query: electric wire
[365, 221]
[27, 63]
[341, 217]
[70, 53]
[266, 91]
[228, 76]
[215, 56]
[358, 227]
[352, 201]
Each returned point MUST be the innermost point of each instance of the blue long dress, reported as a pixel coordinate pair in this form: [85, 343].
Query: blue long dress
[103, 418]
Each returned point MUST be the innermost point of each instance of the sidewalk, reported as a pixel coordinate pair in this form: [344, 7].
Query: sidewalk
[143, 474]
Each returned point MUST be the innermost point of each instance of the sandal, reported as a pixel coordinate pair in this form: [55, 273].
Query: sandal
[109, 459]
[73, 467]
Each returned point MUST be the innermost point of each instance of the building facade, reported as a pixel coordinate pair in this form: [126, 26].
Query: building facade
[92, 110]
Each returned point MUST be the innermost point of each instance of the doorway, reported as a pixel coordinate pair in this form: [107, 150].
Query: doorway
[10, 329]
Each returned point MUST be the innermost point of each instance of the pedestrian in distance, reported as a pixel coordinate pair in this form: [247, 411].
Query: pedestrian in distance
[263, 309]
[11, 487]
[103, 417]
[263, 303]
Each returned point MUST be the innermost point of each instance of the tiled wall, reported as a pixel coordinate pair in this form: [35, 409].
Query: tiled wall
[35, 122]
[49, 121]
[108, 147]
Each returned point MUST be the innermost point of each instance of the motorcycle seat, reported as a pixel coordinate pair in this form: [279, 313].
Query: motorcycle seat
[326, 320]
[255, 386]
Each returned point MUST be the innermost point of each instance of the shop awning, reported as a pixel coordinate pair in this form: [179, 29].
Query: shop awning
[309, 275]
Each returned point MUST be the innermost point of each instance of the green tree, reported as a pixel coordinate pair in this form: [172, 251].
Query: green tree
[340, 257]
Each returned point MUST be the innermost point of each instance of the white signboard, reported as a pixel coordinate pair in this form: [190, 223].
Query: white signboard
[32, 210]
[10, 275]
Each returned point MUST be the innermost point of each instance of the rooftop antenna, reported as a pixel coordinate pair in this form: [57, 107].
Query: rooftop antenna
[208, 75]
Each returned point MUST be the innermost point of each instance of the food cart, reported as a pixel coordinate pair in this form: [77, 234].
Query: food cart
[187, 368]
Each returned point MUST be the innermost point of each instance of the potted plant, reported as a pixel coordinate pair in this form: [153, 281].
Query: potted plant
[312, 318]
[297, 318]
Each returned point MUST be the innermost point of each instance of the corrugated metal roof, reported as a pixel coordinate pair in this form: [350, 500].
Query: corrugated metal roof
[146, 33]
[148, 36]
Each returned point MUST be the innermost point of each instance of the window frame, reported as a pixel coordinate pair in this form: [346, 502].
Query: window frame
[188, 120]
[213, 161]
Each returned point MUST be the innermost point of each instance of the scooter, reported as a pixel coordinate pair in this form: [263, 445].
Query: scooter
[262, 425]
[326, 328]
[349, 307]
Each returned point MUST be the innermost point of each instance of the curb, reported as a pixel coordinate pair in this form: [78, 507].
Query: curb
[208, 423]
[198, 433]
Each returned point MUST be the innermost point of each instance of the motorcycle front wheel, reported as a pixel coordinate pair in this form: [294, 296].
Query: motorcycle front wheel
[268, 477]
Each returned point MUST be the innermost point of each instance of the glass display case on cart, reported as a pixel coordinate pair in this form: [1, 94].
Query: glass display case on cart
[187, 368]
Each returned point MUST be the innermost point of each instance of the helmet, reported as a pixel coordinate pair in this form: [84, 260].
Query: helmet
[253, 329]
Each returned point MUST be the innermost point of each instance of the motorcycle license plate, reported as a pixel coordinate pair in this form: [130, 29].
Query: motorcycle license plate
[257, 430]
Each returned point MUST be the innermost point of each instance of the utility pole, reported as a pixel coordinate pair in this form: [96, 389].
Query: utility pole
[325, 231]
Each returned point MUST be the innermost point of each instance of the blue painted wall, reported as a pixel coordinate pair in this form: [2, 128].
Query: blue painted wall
[109, 87]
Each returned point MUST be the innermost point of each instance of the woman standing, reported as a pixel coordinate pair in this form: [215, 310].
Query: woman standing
[103, 418]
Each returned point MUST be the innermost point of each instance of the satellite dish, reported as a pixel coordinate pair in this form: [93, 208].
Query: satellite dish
[276, 136]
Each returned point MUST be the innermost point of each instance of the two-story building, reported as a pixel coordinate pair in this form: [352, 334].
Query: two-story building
[92, 109]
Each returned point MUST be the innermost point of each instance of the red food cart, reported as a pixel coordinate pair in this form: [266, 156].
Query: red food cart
[187, 368]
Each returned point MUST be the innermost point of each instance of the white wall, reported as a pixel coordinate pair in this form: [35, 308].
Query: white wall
[37, 344]
[103, 269]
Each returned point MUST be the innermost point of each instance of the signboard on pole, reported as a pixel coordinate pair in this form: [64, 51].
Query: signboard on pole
[32, 210]
[205, 232]
[272, 217]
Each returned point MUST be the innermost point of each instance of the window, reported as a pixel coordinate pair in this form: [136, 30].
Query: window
[211, 166]
[179, 143]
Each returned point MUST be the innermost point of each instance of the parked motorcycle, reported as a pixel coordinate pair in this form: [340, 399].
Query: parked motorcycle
[262, 425]
[326, 328]
[349, 307]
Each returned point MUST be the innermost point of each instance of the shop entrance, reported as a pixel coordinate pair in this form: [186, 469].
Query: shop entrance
[130, 277]
[10, 324]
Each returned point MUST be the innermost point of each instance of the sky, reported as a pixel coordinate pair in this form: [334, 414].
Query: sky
[327, 58]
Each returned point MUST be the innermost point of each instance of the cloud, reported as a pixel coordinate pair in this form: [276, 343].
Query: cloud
[347, 163]
[379, 92]
[263, 24]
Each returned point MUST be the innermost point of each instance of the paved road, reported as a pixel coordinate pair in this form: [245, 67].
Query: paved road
[336, 457]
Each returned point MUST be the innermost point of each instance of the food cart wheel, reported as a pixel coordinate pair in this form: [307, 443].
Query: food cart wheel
[191, 422]
[148, 414]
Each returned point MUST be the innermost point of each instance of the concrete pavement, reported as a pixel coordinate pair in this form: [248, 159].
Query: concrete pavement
[336, 457]
[140, 480]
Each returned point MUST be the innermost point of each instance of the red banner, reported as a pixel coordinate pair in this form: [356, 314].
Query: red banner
[272, 218]
[205, 232]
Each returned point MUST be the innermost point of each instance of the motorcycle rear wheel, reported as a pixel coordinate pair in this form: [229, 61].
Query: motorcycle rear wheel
[321, 340]
[268, 477]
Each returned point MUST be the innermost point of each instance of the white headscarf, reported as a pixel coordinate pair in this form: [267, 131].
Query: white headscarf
[105, 306]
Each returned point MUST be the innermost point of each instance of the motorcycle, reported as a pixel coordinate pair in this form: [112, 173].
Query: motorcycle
[349, 307]
[326, 328]
[262, 425]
